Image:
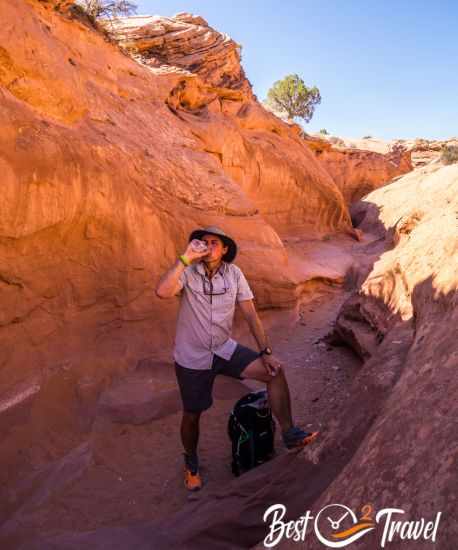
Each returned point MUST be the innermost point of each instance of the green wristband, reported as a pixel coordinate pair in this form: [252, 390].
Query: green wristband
[184, 260]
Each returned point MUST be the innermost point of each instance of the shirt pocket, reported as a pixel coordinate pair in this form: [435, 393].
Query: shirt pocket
[195, 286]
[227, 299]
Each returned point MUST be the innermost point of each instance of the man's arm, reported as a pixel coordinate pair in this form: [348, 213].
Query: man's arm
[254, 322]
[170, 284]
[271, 363]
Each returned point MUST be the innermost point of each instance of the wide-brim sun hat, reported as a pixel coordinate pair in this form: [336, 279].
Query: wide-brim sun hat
[213, 230]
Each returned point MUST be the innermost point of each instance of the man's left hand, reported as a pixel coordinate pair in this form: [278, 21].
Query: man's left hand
[272, 364]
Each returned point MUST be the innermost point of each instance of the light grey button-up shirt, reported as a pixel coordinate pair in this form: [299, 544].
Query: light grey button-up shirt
[206, 313]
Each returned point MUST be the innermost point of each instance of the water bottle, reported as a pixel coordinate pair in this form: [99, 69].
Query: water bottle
[198, 245]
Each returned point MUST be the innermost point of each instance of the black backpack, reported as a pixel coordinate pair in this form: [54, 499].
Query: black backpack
[251, 430]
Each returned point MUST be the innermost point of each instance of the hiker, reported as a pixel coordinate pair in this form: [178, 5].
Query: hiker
[209, 285]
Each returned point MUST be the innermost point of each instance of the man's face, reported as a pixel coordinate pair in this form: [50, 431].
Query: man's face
[216, 248]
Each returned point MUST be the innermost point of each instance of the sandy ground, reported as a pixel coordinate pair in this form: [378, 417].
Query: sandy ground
[135, 472]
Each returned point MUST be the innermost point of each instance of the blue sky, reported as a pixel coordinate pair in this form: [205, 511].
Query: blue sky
[384, 68]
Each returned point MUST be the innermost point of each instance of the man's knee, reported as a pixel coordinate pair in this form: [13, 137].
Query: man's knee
[257, 371]
[279, 373]
[281, 370]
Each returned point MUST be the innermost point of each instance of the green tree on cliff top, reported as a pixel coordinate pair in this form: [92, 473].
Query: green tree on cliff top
[293, 97]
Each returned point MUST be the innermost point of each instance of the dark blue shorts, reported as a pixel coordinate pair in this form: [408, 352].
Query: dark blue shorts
[196, 386]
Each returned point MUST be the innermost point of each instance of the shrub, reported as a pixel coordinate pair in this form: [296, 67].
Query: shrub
[107, 9]
[324, 132]
[449, 154]
[293, 97]
[367, 137]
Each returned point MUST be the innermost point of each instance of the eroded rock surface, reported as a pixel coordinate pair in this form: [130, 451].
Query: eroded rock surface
[356, 171]
[421, 151]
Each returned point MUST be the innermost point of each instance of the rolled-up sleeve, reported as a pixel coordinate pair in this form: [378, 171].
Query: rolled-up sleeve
[243, 288]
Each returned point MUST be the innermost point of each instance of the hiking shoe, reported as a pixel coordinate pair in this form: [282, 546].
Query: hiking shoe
[192, 481]
[295, 438]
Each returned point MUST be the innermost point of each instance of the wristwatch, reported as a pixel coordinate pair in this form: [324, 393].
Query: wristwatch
[265, 351]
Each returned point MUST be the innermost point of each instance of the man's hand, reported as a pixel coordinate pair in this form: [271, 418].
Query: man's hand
[271, 364]
[192, 255]
[170, 284]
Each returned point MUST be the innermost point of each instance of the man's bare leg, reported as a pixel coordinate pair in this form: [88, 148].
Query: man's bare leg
[277, 389]
[190, 434]
[190, 438]
[280, 403]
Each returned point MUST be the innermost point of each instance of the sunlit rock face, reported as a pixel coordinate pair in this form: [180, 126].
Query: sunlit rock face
[184, 41]
[358, 171]
[421, 151]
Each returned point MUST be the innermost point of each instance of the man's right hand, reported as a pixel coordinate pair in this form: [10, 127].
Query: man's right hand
[192, 255]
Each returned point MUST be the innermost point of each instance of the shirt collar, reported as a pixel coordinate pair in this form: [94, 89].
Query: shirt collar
[200, 268]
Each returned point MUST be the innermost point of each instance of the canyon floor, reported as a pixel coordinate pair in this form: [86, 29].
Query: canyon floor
[130, 472]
